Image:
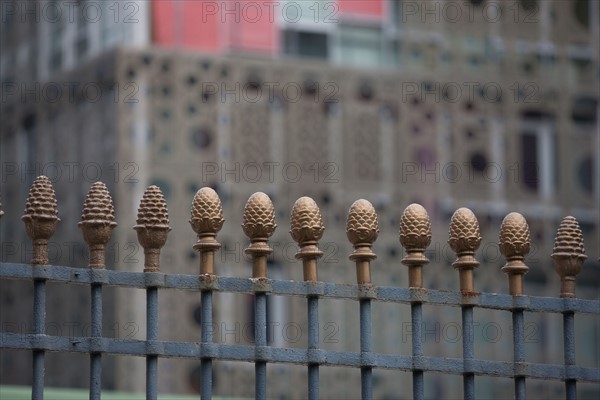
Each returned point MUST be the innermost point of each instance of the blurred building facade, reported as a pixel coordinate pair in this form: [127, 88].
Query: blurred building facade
[489, 105]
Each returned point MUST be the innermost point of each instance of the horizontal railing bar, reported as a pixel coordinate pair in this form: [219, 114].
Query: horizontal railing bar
[249, 353]
[144, 280]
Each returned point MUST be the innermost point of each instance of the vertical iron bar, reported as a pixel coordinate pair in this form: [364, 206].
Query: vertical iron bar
[468, 351]
[569, 348]
[519, 350]
[39, 322]
[365, 347]
[206, 337]
[313, 343]
[260, 339]
[96, 358]
[417, 349]
[151, 334]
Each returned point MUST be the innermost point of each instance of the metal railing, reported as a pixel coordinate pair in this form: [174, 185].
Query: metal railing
[306, 229]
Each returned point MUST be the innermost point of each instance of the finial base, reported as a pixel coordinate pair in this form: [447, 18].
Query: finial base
[465, 264]
[97, 234]
[415, 258]
[152, 260]
[40, 252]
[152, 239]
[309, 253]
[259, 252]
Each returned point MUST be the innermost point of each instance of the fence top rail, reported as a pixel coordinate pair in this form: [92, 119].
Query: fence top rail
[144, 280]
[362, 229]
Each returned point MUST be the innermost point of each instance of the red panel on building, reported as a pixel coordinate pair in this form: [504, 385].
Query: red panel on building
[361, 7]
[214, 26]
[163, 23]
[201, 25]
[257, 28]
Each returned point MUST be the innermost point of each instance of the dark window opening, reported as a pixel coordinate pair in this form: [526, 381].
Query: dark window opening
[585, 174]
[582, 12]
[478, 162]
[584, 110]
[529, 160]
[366, 91]
[202, 138]
[306, 44]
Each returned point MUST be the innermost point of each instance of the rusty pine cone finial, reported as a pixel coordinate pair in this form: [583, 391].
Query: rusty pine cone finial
[207, 220]
[362, 229]
[152, 226]
[307, 229]
[415, 234]
[568, 255]
[415, 237]
[464, 240]
[41, 217]
[259, 225]
[514, 245]
[97, 222]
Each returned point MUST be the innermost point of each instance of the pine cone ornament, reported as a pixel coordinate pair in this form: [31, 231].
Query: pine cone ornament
[207, 213]
[514, 237]
[259, 218]
[306, 222]
[362, 225]
[568, 255]
[415, 229]
[152, 226]
[97, 222]
[464, 232]
[41, 217]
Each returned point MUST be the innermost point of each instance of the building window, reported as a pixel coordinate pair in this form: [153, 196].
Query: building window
[201, 138]
[392, 53]
[479, 162]
[360, 46]
[539, 160]
[306, 44]
[582, 12]
[82, 36]
[56, 43]
[585, 174]
[584, 112]
[581, 71]
[529, 160]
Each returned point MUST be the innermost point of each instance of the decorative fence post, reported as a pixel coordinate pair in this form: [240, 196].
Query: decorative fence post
[41, 218]
[464, 241]
[362, 229]
[514, 246]
[97, 223]
[152, 227]
[415, 237]
[307, 229]
[568, 256]
[207, 220]
[259, 225]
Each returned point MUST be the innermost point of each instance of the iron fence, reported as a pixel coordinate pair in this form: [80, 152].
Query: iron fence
[306, 229]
